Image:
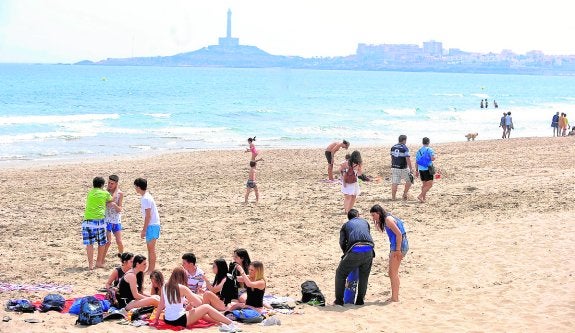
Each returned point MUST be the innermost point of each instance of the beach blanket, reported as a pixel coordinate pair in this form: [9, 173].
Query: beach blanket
[163, 326]
[6, 287]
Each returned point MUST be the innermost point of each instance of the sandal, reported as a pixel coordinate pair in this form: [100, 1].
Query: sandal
[33, 320]
[6, 319]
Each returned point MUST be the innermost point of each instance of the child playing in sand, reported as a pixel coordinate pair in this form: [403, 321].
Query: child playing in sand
[253, 149]
[251, 184]
[151, 229]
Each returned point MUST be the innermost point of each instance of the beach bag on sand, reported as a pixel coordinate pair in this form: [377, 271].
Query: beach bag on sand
[311, 294]
[54, 302]
[349, 175]
[248, 316]
[91, 311]
[20, 305]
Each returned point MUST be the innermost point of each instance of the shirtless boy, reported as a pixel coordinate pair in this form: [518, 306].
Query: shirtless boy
[330, 155]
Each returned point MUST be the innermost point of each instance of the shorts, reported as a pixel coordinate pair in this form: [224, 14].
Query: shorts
[350, 189]
[251, 184]
[94, 232]
[113, 227]
[328, 156]
[152, 232]
[398, 174]
[404, 246]
[182, 321]
[425, 176]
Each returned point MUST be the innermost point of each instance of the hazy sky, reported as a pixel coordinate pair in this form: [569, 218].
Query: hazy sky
[74, 30]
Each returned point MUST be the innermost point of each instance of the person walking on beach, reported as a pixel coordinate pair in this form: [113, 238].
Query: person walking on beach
[357, 245]
[113, 215]
[94, 224]
[151, 229]
[251, 183]
[398, 245]
[508, 124]
[503, 126]
[330, 155]
[424, 158]
[555, 124]
[253, 149]
[400, 167]
[349, 185]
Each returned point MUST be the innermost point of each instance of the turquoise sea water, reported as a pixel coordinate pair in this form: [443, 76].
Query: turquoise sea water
[63, 112]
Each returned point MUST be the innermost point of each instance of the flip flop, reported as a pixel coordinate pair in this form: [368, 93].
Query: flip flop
[33, 320]
[6, 319]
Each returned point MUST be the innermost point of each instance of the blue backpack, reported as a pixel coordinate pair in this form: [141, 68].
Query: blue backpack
[248, 315]
[20, 305]
[54, 302]
[91, 311]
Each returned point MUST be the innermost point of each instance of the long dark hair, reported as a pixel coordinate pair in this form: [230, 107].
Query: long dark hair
[382, 214]
[354, 159]
[138, 259]
[246, 261]
[222, 267]
[172, 287]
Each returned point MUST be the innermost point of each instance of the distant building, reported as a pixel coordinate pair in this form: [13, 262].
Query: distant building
[390, 52]
[433, 48]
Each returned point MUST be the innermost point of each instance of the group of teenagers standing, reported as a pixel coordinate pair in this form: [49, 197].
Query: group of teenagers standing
[188, 295]
[355, 239]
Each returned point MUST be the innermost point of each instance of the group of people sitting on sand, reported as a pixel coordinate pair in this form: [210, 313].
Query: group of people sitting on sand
[189, 295]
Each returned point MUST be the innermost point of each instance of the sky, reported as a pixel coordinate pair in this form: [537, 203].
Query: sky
[52, 31]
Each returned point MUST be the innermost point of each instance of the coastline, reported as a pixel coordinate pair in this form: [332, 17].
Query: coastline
[490, 250]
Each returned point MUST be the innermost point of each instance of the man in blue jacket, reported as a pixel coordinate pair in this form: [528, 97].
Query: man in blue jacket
[357, 246]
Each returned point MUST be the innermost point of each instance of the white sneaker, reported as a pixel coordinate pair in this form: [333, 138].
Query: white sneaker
[232, 327]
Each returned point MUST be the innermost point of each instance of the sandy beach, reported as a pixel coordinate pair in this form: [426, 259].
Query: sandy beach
[490, 251]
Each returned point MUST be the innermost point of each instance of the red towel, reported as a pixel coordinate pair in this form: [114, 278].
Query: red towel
[163, 326]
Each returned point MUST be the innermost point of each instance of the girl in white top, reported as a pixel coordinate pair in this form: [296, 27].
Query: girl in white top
[175, 294]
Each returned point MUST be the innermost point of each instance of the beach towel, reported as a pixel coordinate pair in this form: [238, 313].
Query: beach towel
[163, 326]
[6, 287]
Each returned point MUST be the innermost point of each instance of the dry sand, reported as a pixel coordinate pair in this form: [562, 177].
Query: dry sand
[491, 250]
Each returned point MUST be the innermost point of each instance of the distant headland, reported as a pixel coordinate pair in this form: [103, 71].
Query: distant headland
[384, 57]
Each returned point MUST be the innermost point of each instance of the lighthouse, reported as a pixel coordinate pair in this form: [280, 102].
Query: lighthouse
[229, 41]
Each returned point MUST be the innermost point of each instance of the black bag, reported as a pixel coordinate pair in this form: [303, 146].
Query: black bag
[54, 302]
[91, 311]
[311, 294]
[20, 305]
[431, 169]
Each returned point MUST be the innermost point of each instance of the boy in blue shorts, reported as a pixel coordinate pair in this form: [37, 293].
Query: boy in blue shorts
[151, 229]
[94, 225]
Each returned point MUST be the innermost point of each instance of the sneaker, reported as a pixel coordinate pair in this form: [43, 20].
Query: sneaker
[232, 327]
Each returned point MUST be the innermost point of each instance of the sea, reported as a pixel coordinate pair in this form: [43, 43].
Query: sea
[69, 112]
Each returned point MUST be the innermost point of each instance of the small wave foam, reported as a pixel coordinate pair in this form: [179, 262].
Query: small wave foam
[27, 120]
[400, 112]
[159, 115]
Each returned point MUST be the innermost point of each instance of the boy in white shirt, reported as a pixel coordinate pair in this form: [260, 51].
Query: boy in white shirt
[151, 228]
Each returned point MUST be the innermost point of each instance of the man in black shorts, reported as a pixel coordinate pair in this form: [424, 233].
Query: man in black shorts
[330, 154]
